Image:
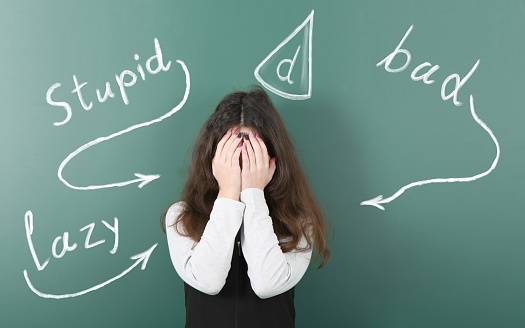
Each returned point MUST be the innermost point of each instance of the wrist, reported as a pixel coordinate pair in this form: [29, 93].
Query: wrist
[248, 187]
[229, 194]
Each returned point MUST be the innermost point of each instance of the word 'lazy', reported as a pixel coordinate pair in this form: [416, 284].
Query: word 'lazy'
[120, 79]
[425, 77]
[139, 259]
[64, 239]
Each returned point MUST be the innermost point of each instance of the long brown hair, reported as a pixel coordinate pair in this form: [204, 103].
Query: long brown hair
[291, 202]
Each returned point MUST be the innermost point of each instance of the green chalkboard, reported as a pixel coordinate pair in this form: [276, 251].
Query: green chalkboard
[421, 102]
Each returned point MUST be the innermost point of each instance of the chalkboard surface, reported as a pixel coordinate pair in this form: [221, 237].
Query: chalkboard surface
[408, 117]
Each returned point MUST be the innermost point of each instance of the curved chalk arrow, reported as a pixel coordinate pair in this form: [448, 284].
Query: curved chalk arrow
[142, 178]
[379, 199]
[142, 257]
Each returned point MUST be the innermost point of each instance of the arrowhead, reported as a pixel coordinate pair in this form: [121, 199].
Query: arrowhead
[146, 178]
[144, 256]
[374, 202]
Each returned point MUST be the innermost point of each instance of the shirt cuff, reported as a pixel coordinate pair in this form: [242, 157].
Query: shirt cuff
[255, 200]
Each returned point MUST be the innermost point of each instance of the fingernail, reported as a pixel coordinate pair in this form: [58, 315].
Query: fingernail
[236, 131]
[239, 135]
[257, 134]
[251, 133]
[229, 130]
[246, 136]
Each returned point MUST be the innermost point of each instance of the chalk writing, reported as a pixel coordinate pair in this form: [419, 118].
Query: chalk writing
[29, 224]
[143, 179]
[120, 80]
[306, 73]
[61, 244]
[141, 258]
[377, 201]
[28, 218]
[291, 62]
[387, 61]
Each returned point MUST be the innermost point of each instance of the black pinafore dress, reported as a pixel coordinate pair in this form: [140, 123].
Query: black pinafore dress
[237, 305]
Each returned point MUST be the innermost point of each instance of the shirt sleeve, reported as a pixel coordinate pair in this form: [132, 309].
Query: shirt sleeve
[205, 266]
[271, 271]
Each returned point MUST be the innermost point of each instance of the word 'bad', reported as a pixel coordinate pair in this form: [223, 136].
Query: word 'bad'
[425, 77]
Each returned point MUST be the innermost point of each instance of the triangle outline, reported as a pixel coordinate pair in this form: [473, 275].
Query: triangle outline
[309, 19]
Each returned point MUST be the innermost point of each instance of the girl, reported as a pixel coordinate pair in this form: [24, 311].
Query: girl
[242, 236]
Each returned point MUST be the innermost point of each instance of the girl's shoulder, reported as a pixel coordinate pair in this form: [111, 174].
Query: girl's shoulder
[174, 211]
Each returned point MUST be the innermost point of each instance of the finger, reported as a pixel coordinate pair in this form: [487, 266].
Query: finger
[223, 140]
[230, 147]
[221, 146]
[245, 159]
[235, 158]
[260, 160]
[251, 153]
[264, 150]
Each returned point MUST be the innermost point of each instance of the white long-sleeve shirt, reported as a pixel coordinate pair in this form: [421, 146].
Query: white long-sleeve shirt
[206, 266]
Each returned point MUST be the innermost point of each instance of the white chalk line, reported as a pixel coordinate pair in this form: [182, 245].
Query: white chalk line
[379, 199]
[140, 258]
[309, 19]
[142, 178]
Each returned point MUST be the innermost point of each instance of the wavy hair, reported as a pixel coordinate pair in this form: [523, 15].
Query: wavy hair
[291, 202]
